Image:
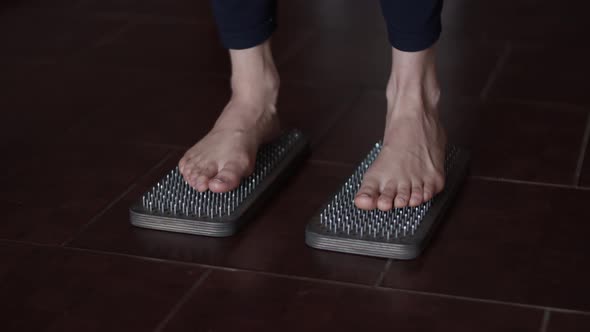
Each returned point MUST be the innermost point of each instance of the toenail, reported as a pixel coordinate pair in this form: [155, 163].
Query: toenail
[219, 180]
[364, 195]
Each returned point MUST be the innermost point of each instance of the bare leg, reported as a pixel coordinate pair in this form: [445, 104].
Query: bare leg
[227, 153]
[410, 167]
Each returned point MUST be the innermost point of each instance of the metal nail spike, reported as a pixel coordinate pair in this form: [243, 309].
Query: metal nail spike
[398, 233]
[173, 205]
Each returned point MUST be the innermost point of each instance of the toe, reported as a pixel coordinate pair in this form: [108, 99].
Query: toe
[181, 165]
[402, 196]
[428, 191]
[417, 195]
[366, 198]
[385, 202]
[228, 178]
[438, 183]
[190, 168]
[191, 177]
[206, 173]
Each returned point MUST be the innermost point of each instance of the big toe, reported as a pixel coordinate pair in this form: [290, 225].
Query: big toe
[227, 179]
[366, 198]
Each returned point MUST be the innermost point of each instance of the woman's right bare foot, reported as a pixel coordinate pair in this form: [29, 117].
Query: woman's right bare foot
[227, 153]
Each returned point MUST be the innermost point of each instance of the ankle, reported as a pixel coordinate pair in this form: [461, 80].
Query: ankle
[254, 74]
[421, 96]
[413, 78]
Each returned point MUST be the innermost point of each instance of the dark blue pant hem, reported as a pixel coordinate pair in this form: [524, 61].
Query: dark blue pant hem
[249, 38]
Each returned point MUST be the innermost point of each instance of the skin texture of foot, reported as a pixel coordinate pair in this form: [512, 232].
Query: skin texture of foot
[410, 167]
[227, 153]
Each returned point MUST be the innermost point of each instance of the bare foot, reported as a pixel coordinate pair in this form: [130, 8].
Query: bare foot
[410, 167]
[227, 153]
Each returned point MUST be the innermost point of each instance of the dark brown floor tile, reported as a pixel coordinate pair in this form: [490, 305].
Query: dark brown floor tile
[186, 109]
[545, 73]
[50, 289]
[523, 21]
[187, 9]
[224, 303]
[508, 140]
[464, 68]
[524, 142]
[31, 36]
[561, 322]
[508, 242]
[193, 49]
[44, 5]
[185, 48]
[50, 191]
[174, 111]
[40, 103]
[273, 241]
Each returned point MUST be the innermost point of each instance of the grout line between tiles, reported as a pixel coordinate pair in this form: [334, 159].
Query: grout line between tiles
[545, 321]
[99, 214]
[423, 293]
[176, 308]
[496, 71]
[531, 183]
[488, 301]
[383, 273]
[582, 156]
[116, 200]
[476, 177]
[302, 278]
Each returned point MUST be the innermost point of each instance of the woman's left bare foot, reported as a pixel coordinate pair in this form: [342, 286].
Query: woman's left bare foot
[410, 167]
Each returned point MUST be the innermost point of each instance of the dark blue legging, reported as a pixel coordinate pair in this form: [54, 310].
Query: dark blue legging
[412, 25]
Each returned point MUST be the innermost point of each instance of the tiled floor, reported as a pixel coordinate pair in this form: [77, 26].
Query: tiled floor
[100, 98]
